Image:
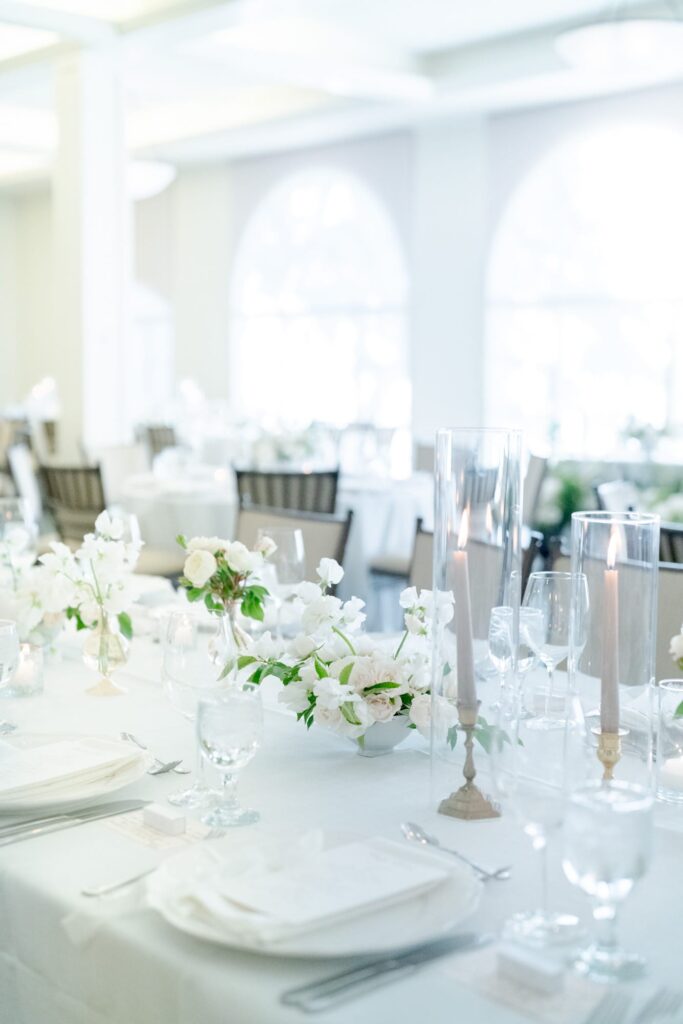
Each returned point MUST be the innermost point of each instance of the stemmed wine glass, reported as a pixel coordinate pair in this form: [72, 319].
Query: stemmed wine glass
[287, 566]
[562, 600]
[230, 731]
[187, 675]
[534, 769]
[501, 642]
[607, 848]
[9, 659]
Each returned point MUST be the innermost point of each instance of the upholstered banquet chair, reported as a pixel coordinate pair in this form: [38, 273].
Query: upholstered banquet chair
[301, 492]
[157, 437]
[325, 536]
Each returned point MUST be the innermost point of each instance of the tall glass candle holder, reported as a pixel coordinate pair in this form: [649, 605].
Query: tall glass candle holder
[613, 669]
[477, 527]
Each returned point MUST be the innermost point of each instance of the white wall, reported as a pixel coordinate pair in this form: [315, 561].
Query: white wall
[9, 335]
[34, 260]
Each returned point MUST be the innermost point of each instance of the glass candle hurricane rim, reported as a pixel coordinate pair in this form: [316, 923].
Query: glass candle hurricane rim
[618, 518]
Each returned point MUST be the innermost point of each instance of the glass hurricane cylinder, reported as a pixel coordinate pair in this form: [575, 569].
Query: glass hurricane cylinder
[613, 666]
[477, 559]
[105, 650]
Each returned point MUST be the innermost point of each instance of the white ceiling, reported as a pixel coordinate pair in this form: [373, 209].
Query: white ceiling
[206, 79]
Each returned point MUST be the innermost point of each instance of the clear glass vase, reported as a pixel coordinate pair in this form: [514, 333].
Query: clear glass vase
[105, 650]
[229, 641]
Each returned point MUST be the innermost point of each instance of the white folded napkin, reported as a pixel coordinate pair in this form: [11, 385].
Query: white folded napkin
[52, 769]
[284, 889]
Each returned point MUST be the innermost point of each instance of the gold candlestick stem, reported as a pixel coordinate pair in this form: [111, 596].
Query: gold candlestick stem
[609, 753]
[468, 802]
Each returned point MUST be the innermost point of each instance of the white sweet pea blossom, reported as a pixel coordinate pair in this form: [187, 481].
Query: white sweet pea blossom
[200, 565]
[241, 559]
[109, 527]
[265, 647]
[294, 696]
[352, 617]
[331, 693]
[329, 572]
[302, 646]
[307, 591]
[415, 625]
[408, 598]
[322, 613]
[266, 546]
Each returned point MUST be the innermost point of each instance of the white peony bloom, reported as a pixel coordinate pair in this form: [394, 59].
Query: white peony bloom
[302, 646]
[199, 567]
[108, 526]
[676, 647]
[329, 572]
[266, 546]
[241, 559]
[307, 591]
[381, 706]
[294, 696]
[322, 613]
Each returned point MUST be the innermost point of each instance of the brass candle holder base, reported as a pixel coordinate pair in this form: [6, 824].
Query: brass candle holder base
[468, 802]
[609, 753]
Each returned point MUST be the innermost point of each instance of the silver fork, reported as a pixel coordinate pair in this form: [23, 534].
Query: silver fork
[665, 1002]
[611, 1009]
[157, 762]
[109, 887]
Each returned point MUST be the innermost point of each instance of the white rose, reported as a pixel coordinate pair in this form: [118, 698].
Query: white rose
[676, 648]
[266, 546]
[240, 558]
[381, 706]
[212, 544]
[362, 674]
[199, 567]
[329, 572]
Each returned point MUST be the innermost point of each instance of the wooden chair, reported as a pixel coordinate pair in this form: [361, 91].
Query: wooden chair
[671, 543]
[158, 437]
[279, 489]
[75, 496]
[325, 536]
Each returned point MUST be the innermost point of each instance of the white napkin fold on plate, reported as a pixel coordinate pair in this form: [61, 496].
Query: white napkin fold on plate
[53, 769]
[283, 889]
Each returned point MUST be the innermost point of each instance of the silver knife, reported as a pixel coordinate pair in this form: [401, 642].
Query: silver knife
[355, 981]
[37, 827]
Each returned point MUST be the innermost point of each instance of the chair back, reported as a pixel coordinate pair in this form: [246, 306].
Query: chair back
[159, 436]
[25, 479]
[671, 543]
[118, 462]
[533, 481]
[76, 498]
[325, 536]
[617, 496]
[279, 489]
[424, 458]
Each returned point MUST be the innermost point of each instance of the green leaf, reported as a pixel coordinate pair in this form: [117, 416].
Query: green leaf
[73, 613]
[252, 606]
[245, 659]
[194, 593]
[125, 625]
[345, 673]
[378, 687]
[452, 736]
[678, 713]
[320, 669]
[349, 714]
[182, 540]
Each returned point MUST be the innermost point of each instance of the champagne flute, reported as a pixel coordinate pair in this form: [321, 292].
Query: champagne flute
[230, 731]
[287, 564]
[607, 849]
[534, 769]
[562, 600]
[187, 675]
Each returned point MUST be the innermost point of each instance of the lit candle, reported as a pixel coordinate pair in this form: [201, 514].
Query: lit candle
[26, 678]
[609, 691]
[467, 693]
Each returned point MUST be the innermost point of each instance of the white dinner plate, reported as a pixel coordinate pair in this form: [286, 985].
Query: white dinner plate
[78, 794]
[416, 919]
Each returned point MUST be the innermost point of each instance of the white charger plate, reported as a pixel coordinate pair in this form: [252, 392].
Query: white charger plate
[386, 929]
[78, 794]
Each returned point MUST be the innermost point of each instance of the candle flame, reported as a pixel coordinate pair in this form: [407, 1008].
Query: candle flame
[464, 531]
[613, 548]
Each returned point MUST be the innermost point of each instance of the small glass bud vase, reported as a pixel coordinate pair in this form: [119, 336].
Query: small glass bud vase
[105, 650]
[230, 640]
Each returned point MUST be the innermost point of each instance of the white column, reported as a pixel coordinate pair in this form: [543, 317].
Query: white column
[450, 239]
[91, 249]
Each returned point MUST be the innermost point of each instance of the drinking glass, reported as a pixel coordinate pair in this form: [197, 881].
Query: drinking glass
[230, 731]
[500, 639]
[187, 675]
[9, 658]
[562, 600]
[287, 566]
[670, 740]
[607, 848]
[534, 769]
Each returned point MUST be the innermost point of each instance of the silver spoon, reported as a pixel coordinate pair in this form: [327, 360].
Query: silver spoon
[418, 835]
[158, 763]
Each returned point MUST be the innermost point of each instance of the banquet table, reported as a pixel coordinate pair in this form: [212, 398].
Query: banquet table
[136, 969]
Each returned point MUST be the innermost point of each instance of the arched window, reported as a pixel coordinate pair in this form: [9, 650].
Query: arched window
[318, 300]
[585, 293]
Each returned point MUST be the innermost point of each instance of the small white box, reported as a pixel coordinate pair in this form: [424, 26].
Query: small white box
[164, 819]
[525, 967]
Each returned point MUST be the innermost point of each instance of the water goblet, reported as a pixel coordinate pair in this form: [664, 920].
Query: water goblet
[230, 731]
[607, 848]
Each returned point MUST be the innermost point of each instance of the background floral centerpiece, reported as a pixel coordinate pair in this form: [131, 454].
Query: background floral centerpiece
[223, 574]
[342, 679]
[94, 588]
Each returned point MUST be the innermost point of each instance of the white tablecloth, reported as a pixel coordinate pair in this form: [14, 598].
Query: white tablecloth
[138, 970]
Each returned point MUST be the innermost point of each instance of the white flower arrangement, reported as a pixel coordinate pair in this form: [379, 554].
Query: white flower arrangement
[339, 678]
[93, 583]
[222, 573]
[676, 649]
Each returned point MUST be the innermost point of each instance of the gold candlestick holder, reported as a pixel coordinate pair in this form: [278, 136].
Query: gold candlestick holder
[609, 753]
[468, 802]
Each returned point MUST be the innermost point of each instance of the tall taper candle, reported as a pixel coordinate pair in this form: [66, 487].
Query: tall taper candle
[609, 689]
[467, 691]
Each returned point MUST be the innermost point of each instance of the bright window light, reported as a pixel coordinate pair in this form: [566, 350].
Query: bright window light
[319, 324]
[585, 295]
